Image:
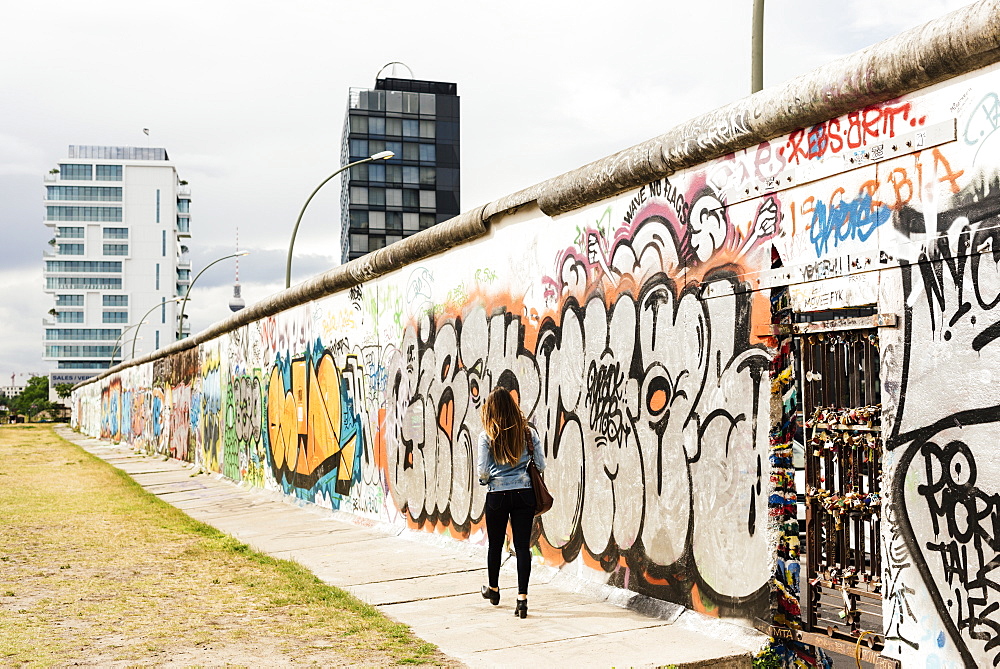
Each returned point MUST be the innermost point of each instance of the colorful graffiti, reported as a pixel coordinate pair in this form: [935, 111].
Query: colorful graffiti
[314, 431]
[639, 337]
[630, 418]
[946, 501]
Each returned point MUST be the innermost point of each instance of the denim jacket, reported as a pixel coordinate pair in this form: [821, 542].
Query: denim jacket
[507, 477]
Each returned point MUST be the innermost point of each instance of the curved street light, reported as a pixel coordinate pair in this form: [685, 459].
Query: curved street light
[143, 320]
[117, 349]
[382, 155]
[180, 321]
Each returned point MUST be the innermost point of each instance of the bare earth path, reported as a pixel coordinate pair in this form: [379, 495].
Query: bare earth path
[95, 571]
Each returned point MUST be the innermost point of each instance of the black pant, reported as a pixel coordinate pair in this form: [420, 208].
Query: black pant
[518, 506]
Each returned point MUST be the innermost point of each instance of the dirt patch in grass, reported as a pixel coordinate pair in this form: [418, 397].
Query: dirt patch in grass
[95, 571]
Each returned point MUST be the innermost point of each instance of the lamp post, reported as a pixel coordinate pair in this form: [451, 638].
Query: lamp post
[383, 155]
[116, 348]
[143, 320]
[757, 48]
[180, 321]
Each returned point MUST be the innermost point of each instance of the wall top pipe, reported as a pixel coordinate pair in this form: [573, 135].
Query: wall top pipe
[954, 44]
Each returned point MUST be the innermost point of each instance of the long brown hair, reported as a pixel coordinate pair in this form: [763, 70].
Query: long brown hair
[505, 426]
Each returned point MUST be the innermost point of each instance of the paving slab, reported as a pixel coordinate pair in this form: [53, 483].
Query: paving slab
[431, 582]
[416, 588]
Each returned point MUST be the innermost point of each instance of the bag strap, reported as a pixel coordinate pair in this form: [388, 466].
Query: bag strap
[531, 446]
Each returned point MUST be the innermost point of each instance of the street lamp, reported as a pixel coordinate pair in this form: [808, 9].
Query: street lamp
[180, 322]
[116, 348]
[382, 155]
[143, 320]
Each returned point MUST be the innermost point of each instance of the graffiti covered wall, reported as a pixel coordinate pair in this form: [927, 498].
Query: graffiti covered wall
[636, 334]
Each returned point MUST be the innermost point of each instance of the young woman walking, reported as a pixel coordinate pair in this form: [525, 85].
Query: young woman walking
[503, 457]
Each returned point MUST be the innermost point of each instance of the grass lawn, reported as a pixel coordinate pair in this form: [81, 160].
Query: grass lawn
[95, 570]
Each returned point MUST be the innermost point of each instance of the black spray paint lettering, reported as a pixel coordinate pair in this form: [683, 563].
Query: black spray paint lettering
[605, 393]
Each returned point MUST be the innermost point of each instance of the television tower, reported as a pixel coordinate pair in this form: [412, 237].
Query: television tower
[237, 302]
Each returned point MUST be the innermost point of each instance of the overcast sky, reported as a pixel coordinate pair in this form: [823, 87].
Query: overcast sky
[249, 98]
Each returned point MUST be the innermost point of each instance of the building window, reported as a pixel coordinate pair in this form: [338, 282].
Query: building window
[376, 172]
[157, 276]
[90, 193]
[163, 243]
[393, 127]
[114, 300]
[411, 198]
[393, 221]
[86, 266]
[359, 243]
[376, 125]
[376, 196]
[71, 249]
[394, 101]
[411, 222]
[69, 300]
[76, 172]
[428, 104]
[69, 317]
[394, 197]
[58, 213]
[359, 219]
[116, 249]
[376, 220]
[411, 128]
[69, 233]
[183, 225]
[63, 364]
[411, 151]
[82, 334]
[157, 205]
[411, 103]
[359, 123]
[163, 309]
[428, 199]
[411, 175]
[396, 148]
[109, 173]
[115, 317]
[393, 174]
[82, 283]
[427, 130]
[426, 221]
[428, 154]
[57, 351]
[359, 195]
[157, 339]
[428, 176]
[184, 206]
[359, 148]
[115, 233]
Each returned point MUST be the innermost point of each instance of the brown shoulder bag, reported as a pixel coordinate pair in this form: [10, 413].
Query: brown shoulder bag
[543, 498]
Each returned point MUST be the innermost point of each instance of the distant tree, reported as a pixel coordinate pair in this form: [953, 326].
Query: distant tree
[64, 390]
[34, 399]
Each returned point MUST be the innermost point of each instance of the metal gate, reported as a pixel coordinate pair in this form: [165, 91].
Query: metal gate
[841, 407]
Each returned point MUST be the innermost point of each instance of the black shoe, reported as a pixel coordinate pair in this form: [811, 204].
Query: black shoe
[491, 594]
[521, 608]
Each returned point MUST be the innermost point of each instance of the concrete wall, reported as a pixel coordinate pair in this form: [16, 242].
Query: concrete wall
[635, 329]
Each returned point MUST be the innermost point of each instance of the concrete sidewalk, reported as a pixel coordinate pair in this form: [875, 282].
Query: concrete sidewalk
[432, 583]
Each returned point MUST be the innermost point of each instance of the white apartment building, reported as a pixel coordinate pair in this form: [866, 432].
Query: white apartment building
[120, 223]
